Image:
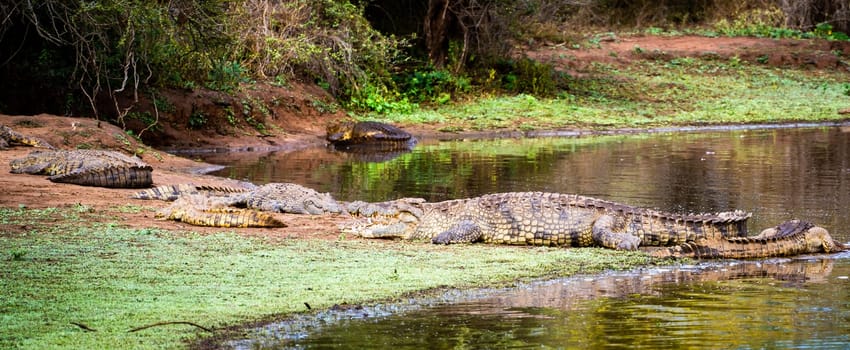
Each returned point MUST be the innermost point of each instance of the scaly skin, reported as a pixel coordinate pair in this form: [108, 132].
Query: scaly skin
[373, 136]
[200, 210]
[288, 198]
[551, 219]
[87, 168]
[272, 197]
[222, 217]
[172, 192]
[787, 239]
[112, 176]
[11, 137]
[215, 205]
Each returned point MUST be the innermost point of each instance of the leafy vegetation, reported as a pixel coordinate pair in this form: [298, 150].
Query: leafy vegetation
[100, 56]
[61, 277]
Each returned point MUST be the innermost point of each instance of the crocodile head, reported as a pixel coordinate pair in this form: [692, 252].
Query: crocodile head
[339, 131]
[392, 219]
[818, 239]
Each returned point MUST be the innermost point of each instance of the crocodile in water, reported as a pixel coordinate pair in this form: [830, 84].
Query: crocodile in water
[552, 219]
[790, 238]
[369, 137]
[11, 137]
[87, 168]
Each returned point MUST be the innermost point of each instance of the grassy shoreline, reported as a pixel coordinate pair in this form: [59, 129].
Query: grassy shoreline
[654, 93]
[63, 274]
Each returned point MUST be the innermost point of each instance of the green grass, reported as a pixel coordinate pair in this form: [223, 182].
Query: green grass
[113, 279]
[681, 91]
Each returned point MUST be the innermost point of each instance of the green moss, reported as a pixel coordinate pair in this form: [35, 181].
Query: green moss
[113, 279]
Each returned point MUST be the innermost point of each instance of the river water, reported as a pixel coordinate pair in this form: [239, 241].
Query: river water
[776, 173]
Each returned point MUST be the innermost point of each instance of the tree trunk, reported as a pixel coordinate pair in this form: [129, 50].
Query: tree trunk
[437, 24]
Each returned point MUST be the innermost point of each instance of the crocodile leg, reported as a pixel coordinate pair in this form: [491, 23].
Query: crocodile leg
[605, 234]
[397, 230]
[465, 231]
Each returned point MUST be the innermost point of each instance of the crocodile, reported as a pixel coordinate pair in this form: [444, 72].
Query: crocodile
[539, 218]
[794, 237]
[87, 168]
[172, 192]
[238, 207]
[369, 136]
[12, 137]
[271, 197]
[201, 210]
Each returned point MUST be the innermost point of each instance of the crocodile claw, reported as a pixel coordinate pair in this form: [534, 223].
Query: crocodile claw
[629, 243]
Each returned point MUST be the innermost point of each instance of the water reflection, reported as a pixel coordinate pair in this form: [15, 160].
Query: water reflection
[773, 304]
[776, 173]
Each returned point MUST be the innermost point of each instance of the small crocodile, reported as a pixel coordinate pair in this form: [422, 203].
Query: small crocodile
[172, 192]
[200, 210]
[11, 137]
[271, 197]
[287, 198]
[87, 168]
[538, 218]
[369, 137]
[789, 238]
[226, 206]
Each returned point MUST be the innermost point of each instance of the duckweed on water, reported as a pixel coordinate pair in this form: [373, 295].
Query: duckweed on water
[61, 278]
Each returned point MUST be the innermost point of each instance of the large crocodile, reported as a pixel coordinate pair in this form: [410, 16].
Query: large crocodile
[11, 137]
[87, 168]
[793, 237]
[538, 218]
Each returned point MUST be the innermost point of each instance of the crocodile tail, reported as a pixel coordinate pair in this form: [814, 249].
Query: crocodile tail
[114, 177]
[226, 217]
[164, 192]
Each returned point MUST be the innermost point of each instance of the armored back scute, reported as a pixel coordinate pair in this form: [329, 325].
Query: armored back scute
[354, 133]
[10, 137]
[86, 168]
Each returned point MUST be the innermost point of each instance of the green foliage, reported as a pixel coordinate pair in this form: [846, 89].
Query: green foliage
[381, 100]
[197, 120]
[531, 77]
[226, 76]
[769, 23]
[431, 85]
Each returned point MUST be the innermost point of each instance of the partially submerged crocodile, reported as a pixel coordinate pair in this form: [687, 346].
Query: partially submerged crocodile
[11, 137]
[789, 238]
[538, 218]
[87, 168]
[369, 137]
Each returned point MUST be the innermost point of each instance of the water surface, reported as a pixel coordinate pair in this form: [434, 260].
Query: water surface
[781, 303]
[777, 174]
